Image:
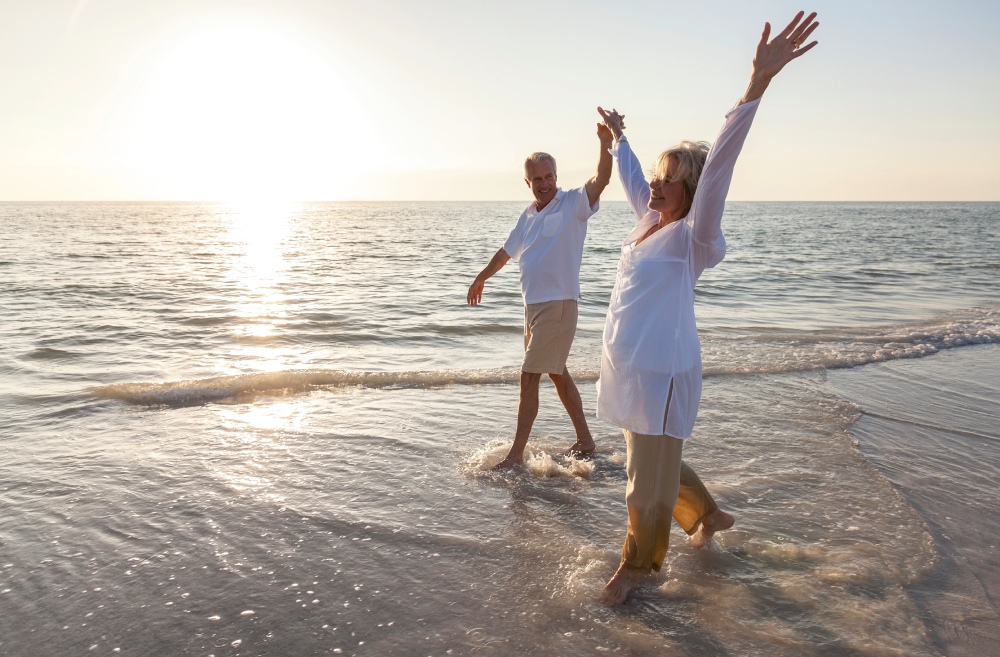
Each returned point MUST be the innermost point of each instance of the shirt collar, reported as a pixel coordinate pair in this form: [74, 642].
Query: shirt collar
[532, 212]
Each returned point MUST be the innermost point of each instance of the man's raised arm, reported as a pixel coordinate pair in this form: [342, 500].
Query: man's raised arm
[499, 259]
[596, 185]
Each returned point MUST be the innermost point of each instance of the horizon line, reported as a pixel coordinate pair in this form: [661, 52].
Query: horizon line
[361, 200]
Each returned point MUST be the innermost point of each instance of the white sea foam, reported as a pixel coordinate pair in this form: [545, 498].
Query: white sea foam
[543, 464]
[538, 461]
[780, 352]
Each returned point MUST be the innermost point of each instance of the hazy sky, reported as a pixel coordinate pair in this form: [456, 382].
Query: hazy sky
[442, 99]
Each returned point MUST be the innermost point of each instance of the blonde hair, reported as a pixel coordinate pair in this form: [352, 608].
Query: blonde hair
[538, 158]
[690, 157]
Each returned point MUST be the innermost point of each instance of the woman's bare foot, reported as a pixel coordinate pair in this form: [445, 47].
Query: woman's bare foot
[616, 591]
[581, 448]
[716, 521]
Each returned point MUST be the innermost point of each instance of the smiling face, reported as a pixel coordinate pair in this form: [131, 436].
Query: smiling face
[666, 193]
[541, 178]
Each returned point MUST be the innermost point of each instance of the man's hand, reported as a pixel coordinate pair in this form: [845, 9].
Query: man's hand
[496, 263]
[605, 135]
[475, 295]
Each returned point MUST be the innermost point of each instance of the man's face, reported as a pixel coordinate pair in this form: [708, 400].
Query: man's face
[542, 181]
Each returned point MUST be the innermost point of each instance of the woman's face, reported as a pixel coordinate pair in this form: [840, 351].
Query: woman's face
[665, 195]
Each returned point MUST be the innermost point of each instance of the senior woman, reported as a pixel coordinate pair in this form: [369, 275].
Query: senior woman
[650, 381]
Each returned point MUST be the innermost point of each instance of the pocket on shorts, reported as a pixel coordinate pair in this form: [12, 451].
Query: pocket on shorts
[552, 224]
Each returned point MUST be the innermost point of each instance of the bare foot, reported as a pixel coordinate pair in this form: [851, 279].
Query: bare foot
[616, 591]
[717, 521]
[581, 448]
[507, 464]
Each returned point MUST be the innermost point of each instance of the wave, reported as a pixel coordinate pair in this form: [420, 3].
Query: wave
[747, 353]
[201, 391]
[777, 352]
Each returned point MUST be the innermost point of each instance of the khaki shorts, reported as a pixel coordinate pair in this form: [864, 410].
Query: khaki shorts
[549, 328]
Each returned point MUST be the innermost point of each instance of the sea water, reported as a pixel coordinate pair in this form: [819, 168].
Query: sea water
[268, 431]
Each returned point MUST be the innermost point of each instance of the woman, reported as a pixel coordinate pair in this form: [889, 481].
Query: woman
[650, 381]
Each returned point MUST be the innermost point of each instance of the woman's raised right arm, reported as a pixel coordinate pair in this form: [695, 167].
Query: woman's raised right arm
[629, 170]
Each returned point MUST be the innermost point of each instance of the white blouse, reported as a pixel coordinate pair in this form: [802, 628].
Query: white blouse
[651, 353]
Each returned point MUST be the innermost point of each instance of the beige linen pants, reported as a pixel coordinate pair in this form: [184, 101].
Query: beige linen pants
[660, 486]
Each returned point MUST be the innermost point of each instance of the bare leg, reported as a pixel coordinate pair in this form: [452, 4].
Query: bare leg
[569, 395]
[616, 591]
[527, 410]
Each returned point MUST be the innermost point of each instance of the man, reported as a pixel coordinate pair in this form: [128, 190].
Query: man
[547, 243]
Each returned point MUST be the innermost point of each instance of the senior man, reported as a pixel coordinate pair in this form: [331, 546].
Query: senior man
[547, 243]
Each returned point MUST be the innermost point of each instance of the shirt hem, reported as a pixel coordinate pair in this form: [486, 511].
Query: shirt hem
[621, 425]
[547, 299]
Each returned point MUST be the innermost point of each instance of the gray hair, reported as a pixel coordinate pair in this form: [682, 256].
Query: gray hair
[690, 157]
[538, 158]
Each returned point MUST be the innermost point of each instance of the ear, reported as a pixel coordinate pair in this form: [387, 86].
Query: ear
[527, 182]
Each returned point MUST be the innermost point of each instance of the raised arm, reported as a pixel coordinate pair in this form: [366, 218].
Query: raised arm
[770, 58]
[496, 263]
[596, 185]
[634, 183]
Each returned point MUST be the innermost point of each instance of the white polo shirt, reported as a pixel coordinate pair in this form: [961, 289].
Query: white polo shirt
[548, 246]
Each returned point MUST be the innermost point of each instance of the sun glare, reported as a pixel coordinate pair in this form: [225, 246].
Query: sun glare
[245, 114]
[260, 228]
[257, 234]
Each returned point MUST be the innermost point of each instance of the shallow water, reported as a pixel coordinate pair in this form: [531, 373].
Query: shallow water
[942, 414]
[232, 432]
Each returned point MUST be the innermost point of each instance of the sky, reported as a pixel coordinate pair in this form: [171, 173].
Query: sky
[442, 99]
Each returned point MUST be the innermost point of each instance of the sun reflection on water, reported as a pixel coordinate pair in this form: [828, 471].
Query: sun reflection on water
[258, 232]
[257, 235]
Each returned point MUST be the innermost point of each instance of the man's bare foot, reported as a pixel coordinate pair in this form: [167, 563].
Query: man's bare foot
[717, 521]
[507, 464]
[581, 448]
[616, 591]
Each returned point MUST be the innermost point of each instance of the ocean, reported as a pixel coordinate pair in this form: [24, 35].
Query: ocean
[268, 431]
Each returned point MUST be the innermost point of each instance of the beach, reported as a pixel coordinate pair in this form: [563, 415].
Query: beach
[268, 431]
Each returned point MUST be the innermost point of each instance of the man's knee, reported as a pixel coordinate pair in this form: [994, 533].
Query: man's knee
[530, 378]
[559, 379]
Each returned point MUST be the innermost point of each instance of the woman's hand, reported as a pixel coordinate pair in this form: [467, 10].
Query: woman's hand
[614, 121]
[772, 56]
